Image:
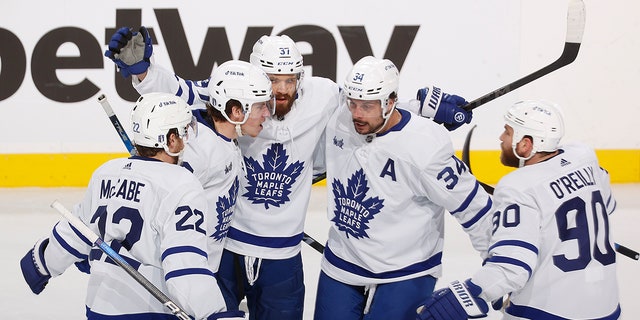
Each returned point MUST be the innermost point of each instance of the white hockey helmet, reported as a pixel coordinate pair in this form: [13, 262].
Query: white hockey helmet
[241, 81]
[277, 55]
[154, 114]
[540, 120]
[372, 79]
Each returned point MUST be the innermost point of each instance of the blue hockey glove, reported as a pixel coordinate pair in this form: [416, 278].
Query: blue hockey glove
[458, 301]
[130, 51]
[444, 108]
[227, 315]
[33, 267]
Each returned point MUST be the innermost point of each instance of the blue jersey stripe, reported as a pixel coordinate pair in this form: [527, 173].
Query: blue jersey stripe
[183, 249]
[269, 242]
[468, 200]
[511, 261]
[137, 316]
[188, 271]
[480, 214]
[67, 246]
[430, 263]
[516, 243]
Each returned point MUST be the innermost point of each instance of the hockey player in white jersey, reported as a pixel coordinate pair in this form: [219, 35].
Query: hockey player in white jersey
[551, 248]
[392, 176]
[262, 260]
[241, 100]
[150, 210]
[264, 239]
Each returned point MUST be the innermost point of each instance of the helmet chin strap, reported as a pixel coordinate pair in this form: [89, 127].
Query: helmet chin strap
[179, 154]
[239, 130]
[386, 118]
[522, 159]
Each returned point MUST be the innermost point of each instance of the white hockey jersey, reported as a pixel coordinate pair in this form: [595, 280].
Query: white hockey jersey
[274, 194]
[387, 199]
[217, 162]
[155, 215]
[551, 247]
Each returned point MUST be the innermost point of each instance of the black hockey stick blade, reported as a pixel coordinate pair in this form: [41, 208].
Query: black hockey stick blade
[465, 148]
[575, 29]
[465, 158]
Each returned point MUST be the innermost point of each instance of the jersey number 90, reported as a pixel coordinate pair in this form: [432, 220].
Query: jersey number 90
[574, 225]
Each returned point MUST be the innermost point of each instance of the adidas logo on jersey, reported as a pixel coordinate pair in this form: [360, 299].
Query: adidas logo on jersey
[127, 166]
[564, 162]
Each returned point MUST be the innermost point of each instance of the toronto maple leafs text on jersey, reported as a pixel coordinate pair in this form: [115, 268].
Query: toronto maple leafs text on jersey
[274, 193]
[388, 196]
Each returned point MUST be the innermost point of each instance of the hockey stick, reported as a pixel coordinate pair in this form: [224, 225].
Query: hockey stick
[102, 99]
[97, 241]
[465, 158]
[313, 243]
[625, 251]
[575, 29]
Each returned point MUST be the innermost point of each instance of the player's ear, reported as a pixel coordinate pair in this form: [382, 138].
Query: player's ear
[236, 113]
[174, 143]
[525, 146]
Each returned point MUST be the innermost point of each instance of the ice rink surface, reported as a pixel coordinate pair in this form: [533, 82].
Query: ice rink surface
[25, 216]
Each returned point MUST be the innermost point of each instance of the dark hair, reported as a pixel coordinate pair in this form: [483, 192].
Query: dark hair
[217, 115]
[149, 152]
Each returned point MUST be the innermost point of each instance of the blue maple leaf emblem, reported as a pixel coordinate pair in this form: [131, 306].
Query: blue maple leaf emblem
[353, 210]
[224, 210]
[269, 182]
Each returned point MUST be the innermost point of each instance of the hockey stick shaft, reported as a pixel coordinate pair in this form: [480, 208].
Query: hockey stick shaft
[106, 106]
[575, 29]
[97, 241]
[627, 251]
[313, 243]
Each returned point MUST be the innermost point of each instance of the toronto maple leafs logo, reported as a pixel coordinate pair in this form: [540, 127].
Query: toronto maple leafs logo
[269, 182]
[338, 142]
[224, 211]
[353, 210]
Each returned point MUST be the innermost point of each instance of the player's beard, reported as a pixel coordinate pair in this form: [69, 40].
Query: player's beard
[362, 126]
[508, 158]
[283, 105]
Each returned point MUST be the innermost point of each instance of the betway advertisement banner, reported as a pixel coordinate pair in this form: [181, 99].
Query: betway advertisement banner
[52, 64]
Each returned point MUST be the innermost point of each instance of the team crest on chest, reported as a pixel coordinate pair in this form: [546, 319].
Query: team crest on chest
[224, 211]
[270, 182]
[353, 207]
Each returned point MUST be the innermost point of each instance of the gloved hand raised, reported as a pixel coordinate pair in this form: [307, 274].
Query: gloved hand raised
[444, 108]
[34, 269]
[458, 301]
[130, 51]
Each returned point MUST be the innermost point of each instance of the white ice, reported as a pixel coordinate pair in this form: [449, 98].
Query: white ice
[25, 216]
